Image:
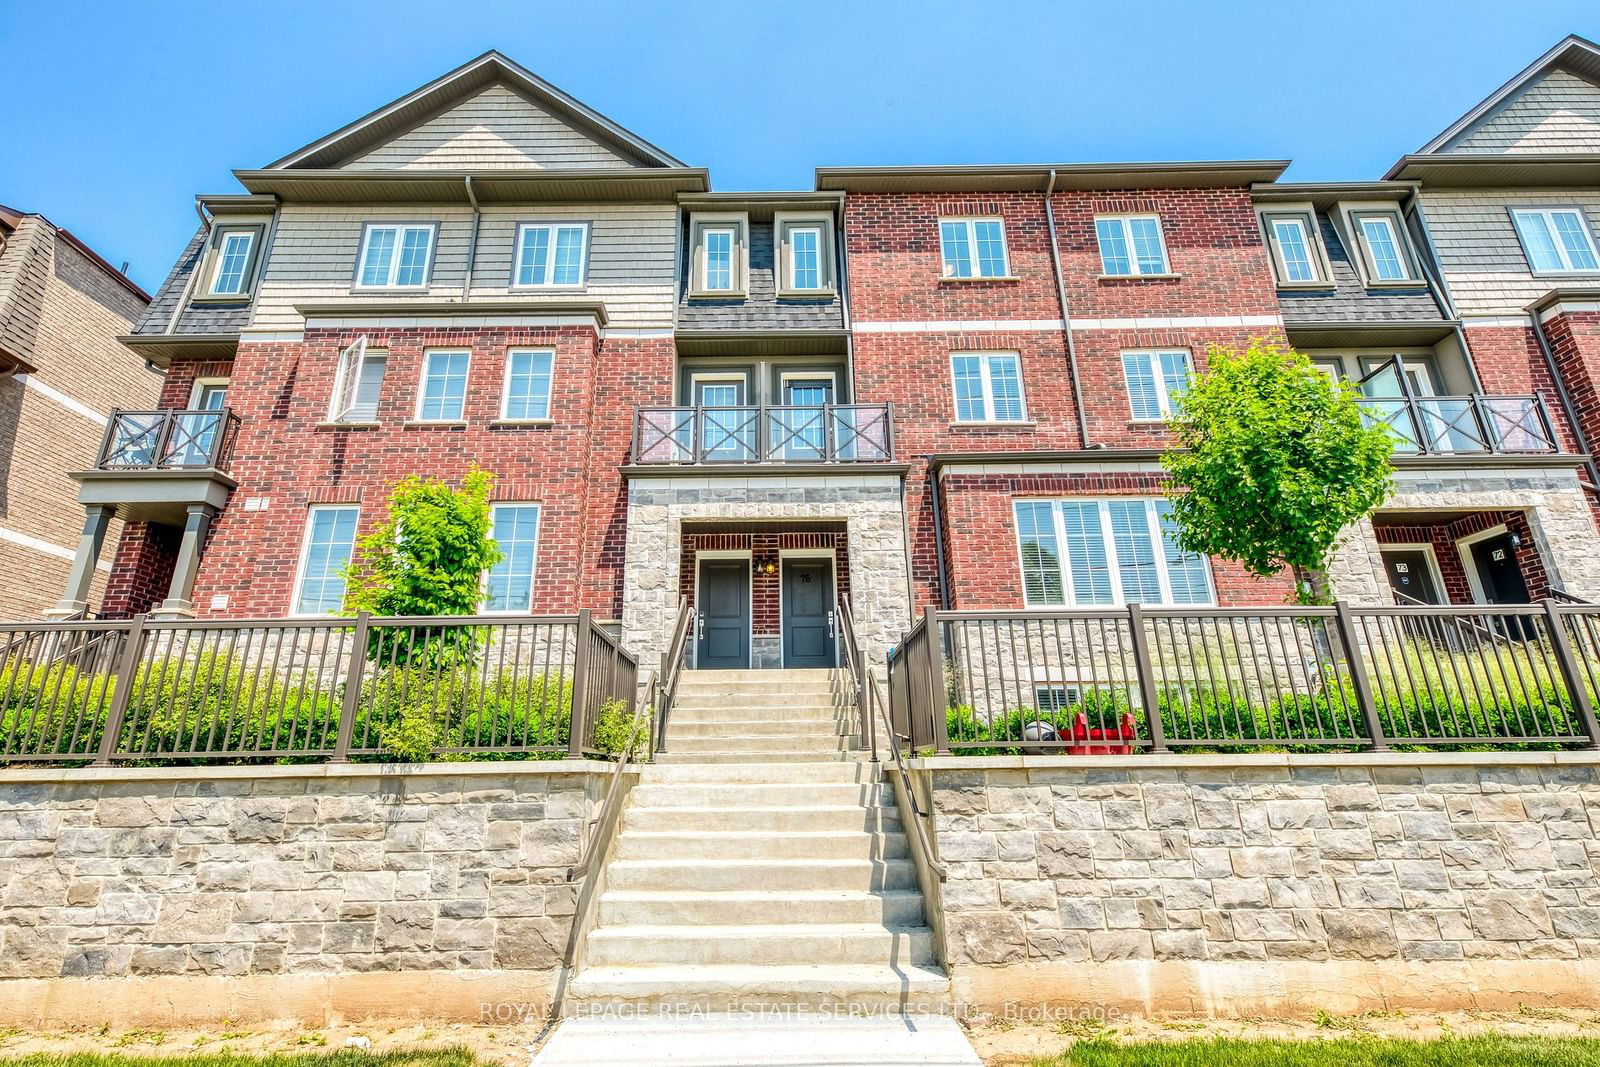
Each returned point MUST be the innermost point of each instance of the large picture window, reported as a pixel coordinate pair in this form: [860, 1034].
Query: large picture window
[1122, 550]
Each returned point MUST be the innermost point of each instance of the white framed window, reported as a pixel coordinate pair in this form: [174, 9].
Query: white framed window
[1131, 245]
[719, 258]
[358, 383]
[1385, 257]
[509, 584]
[552, 255]
[973, 248]
[1155, 381]
[1096, 552]
[527, 392]
[988, 387]
[805, 257]
[234, 251]
[1556, 240]
[329, 542]
[1056, 698]
[395, 255]
[1293, 240]
[716, 263]
[443, 395]
[804, 253]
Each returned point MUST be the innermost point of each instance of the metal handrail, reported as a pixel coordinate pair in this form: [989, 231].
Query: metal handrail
[168, 439]
[605, 820]
[856, 664]
[877, 703]
[1405, 600]
[672, 662]
[1564, 597]
[764, 433]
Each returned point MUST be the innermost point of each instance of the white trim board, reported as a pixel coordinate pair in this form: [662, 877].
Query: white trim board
[77, 407]
[49, 548]
[1163, 323]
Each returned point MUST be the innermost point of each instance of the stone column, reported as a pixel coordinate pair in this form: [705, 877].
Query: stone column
[75, 598]
[195, 528]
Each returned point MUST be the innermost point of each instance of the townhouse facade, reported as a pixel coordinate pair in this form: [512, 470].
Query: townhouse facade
[908, 386]
[62, 373]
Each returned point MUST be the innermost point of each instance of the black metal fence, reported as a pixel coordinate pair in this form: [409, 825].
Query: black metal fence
[1237, 679]
[308, 689]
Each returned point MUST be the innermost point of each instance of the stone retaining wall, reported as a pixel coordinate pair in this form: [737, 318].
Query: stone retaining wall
[291, 871]
[1237, 884]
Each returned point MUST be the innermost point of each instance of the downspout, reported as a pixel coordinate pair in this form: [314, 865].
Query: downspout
[199, 258]
[938, 539]
[1567, 407]
[1066, 317]
[472, 241]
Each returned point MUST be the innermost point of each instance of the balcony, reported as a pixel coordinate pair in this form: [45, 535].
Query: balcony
[1465, 425]
[829, 433]
[155, 465]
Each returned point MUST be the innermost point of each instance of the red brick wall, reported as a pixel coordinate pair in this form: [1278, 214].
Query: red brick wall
[281, 392]
[178, 385]
[981, 536]
[1575, 343]
[764, 547]
[142, 571]
[1508, 360]
[1443, 536]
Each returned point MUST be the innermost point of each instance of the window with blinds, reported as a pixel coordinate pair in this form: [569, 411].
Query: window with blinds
[1086, 553]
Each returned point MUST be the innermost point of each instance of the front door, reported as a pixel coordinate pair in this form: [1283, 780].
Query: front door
[727, 427]
[808, 622]
[1499, 574]
[1411, 576]
[802, 425]
[722, 625]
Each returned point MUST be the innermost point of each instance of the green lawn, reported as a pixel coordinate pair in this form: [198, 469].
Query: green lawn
[1345, 1052]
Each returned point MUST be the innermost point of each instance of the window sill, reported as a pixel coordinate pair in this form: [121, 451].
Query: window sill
[1137, 424]
[720, 294]
[221, 298]
[332, 426]
[1409, 283]
[1002, 278]
[1565, 273]
[530, 289]
[1138, 277]
[1300, 287]
[520, 424]
[380, 290]
[807, 294]
[1021, 424]
[435, 424]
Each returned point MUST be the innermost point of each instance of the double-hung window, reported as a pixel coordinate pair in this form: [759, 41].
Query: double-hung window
[358, 383]
[1556, 240]
[1385, 257]
[988, 387]
[330, 540]
[515, 529]
[973, 248]
[1156, 381]
[551, 255]
[1105, 552]
[232, 275]
[527, 395]
[1130, 245]
[395, 256]
[443, 395]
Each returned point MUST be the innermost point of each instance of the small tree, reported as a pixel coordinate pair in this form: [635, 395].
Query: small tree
[427, 558]
[1276, 460]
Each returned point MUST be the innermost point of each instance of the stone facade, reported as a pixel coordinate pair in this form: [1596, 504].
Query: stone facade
[869, 506]
[290, 871]
[1193, 869]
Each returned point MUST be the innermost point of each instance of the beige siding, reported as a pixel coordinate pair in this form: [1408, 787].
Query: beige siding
[1557, 113]
[1482, 257]
[630, 258]
[496, 128]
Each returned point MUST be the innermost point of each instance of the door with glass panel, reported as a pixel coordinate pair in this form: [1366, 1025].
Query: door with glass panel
[800, 428]
[725, 426]
[1444, 423]
[196, 431]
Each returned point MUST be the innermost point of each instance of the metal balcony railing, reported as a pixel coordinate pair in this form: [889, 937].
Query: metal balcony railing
[829, 433]
[169, 439]
[1465, 425]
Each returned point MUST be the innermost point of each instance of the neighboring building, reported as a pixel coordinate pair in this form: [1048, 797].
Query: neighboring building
[912, 386]
[62, 371]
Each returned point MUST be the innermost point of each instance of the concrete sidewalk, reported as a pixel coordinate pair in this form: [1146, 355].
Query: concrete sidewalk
[757, 1040]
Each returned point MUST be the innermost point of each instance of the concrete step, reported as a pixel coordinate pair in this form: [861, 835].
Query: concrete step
[820, 771]
[766, 943]
[770, 726]
[765, 795]
[704, 821]
[763, 844]
[882, 987]
[799, 716]
[691, 691]
[757, 875]
[897, 907]
[678, 758]
[800, 741]
[700, 1037]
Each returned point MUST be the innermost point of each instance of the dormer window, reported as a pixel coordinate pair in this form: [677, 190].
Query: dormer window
[973, 249]
[805, 254]
[395, 256]
[1296, 247]
[1386, 257]
[1556, 240]
[230, 263]
[719, 261]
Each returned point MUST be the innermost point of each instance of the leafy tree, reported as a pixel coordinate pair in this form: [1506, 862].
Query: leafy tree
[1276, 460]
[427, 558]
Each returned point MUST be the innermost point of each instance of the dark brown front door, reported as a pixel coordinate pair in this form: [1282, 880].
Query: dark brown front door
[1499, 573]
[1411, 575]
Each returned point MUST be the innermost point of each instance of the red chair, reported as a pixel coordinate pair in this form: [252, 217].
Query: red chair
[1082, 732]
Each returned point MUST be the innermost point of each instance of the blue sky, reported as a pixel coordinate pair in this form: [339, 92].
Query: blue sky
[117, 114]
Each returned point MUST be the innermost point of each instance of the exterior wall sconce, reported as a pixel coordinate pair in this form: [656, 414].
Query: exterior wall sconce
[770, 568]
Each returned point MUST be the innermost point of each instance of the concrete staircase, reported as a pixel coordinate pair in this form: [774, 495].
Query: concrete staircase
[761, 860]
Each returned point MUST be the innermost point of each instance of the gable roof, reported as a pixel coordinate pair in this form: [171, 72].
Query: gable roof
[418, 106]
[1574, 54]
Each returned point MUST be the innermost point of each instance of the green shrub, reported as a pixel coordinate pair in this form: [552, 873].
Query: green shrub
[617, 730]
